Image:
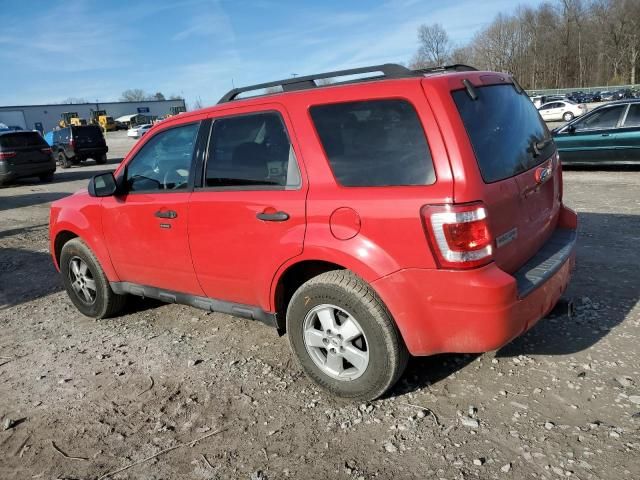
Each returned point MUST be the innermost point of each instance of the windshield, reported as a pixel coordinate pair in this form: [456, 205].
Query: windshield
[505, 129]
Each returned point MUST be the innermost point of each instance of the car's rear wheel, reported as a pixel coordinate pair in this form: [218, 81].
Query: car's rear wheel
[86, 283]
[568, 116]
[63, 160]
[102, 159]
[344, 336]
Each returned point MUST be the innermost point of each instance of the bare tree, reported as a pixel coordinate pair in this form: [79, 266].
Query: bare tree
[133, 95]
[434, 48]
[197, 104]
[559, 43]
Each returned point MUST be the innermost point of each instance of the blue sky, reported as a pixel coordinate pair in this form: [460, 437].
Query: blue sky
[53, 50]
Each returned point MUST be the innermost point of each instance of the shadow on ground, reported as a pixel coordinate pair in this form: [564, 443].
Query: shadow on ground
[604, 288]
[30, 199]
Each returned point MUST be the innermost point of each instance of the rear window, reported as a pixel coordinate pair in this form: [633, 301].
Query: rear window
[92, 132]
[504, 128]
[22, 139]
[374, 143]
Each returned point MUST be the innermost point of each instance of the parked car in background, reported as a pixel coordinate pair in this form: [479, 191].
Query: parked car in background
[606, 96]
[427, 217]
[622, 94]
[609, 134]
[139, 130]
[25, 154]
[561, 110]
[75, 144]
[596, 97]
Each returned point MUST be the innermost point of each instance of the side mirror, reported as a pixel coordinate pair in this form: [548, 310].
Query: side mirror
[103, 185]
[571, 129]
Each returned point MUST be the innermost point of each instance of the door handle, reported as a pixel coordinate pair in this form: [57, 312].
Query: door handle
[273, 216]
[166, 214]
[606, 134]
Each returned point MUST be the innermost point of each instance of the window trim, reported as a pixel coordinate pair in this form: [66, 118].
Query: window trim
[360, 100]
[200, 184]
[122, 181]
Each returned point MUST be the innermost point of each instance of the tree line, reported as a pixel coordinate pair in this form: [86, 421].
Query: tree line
[564, 43]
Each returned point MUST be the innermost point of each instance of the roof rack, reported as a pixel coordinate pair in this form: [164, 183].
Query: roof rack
[387, 70]
[456, 67]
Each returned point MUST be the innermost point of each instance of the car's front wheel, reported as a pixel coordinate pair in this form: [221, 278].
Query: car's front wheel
[567, 117]
[344, 336]
[86, 283]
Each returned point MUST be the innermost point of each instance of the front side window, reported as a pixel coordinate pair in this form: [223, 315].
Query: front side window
[374, 143]
[164, 162]
[606, 118]
[249, 151]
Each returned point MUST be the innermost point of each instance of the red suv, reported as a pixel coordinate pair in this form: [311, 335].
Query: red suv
[403, 212]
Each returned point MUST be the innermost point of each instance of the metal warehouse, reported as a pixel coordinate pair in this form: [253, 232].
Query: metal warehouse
[46, 117]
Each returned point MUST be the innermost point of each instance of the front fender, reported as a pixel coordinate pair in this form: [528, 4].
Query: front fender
[85, 223]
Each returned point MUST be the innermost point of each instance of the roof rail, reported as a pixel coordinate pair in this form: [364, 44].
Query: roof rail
[388, 70]
[456, 67]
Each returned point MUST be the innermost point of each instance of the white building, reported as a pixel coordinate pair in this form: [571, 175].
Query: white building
[32, 117]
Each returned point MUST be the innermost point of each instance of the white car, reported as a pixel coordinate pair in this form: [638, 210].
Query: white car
[561, 110]
[139, 130]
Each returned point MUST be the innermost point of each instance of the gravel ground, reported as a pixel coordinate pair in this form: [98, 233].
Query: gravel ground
[174, 392]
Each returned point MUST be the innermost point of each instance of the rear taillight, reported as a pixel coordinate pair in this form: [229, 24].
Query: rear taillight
[72, 143]
[459, 234]
[46, 150]
[6, 155]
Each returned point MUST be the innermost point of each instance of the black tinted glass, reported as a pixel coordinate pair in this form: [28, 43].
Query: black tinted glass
[503, 127]
[22, 139]
[251, 150]
[633, 117]
[92, 132]
[374, 143]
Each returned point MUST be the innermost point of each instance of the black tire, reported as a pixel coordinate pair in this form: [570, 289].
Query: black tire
[102, 160]
[63, 160]
[387, 352]
[47, 177]
[106, 303]
[568, 116]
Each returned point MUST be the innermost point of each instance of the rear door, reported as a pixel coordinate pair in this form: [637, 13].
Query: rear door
[247, 217]
[628, 143]
[520, 183]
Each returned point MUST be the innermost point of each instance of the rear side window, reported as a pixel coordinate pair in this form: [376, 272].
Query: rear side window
[374, 143]
[633, 117]
[504, 127]
[92, 132]
[251, 151]
[22, 139]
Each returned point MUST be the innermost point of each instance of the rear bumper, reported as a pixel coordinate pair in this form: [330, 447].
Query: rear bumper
[11, 172]
[91, 152]
[478, 310]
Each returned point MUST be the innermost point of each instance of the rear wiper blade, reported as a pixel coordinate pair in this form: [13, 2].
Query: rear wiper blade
[537, 145]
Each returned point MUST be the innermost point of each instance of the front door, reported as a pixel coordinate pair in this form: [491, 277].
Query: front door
[592, 139]
[248, 216]
[145, 228]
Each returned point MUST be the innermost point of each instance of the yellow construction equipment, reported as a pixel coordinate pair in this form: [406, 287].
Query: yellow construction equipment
[95, 116]
[106, 123]
[71, 118]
